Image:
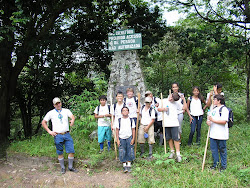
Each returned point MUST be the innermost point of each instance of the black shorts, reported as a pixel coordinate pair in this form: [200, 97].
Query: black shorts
[172, 133]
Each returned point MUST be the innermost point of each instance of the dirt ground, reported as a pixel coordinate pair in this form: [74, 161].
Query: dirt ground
[21, 175]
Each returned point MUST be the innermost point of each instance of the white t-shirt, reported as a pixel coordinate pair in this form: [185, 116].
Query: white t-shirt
[195, 107]
[218, 131]
[145, 116]
[180, 110]
[131, 104]
[59, 119]
[159, 114]
[117, 112]
[171, 117]
[125, 128]
[103, 110]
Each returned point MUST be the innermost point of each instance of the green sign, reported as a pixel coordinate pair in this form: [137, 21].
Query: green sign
[124, 40]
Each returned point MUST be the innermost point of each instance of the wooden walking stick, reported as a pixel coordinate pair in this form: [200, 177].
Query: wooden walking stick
[163, 121]
[114, 131]
[208, 132]
[137, 121]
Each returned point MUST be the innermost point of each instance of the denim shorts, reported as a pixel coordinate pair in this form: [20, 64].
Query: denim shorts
[126, 150]
[66, 140]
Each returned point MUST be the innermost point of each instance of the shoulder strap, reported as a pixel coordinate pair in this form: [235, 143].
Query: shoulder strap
[136, 101]
[131, 122]
[98, 108]
[190, 98]
[109, 108]
[119, 121]
[155, 100]
[150, 111]
[220, 110]
[142, 107]
[114, 107]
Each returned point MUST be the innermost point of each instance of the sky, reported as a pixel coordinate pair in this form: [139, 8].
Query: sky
[172, 17]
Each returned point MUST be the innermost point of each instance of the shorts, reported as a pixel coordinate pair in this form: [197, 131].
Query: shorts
[66, 140]
[180, 119]
[104, 133]
[172, 133]
[151, 138]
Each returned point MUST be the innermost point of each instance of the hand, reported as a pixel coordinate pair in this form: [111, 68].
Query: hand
[52, 133]
[209, 122]
[191, 119]
[132, 142]
[146, 129]
[157, 104]
[215, 89]
[107, 115]
[111, 127]
[118, 142]
[71, 122]
[210, 118]
[137, 111]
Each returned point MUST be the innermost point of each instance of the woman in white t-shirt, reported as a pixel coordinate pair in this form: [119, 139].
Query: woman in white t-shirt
[195, 111]
[183, 104]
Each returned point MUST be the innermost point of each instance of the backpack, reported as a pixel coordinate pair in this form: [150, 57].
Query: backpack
[150, 110]
[115, 106]
[98, 108]
[119, 121]
[136, 101]
[230, 121]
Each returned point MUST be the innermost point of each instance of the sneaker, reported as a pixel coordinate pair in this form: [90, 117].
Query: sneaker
[101, 150]
[150, 156]
[212, 167]
[73, 170]
[178, 159]
[125, 169]
[141, 154]
[63, 171]
[222, 169]
[171, 156]
[129, 169]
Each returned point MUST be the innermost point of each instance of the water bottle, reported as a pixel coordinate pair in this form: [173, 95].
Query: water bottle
[168, 110]
[208, 114]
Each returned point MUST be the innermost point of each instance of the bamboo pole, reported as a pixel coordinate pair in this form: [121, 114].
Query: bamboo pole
[208, 132]
[163, 123]
[114, 131]
[137, 121]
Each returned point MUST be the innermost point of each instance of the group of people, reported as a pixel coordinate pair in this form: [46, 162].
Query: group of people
[154, 115]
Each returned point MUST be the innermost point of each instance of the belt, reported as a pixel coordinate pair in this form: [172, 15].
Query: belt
[63, 133]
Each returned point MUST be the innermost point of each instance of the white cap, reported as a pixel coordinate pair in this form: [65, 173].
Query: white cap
[56, 100]
[148, 99]
[148, 92]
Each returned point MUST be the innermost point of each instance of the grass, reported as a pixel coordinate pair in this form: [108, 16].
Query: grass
[162, 172]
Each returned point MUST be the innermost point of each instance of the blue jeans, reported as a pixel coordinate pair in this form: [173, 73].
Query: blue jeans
[66, 140]
[197, 120]
[217, 146]
[126, 150]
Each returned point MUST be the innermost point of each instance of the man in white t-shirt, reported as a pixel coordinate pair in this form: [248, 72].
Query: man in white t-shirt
[146, 129]
[125, 132]
[60, 131]
[170, 110]
[103, 114]
[219, 132]
[132, 103]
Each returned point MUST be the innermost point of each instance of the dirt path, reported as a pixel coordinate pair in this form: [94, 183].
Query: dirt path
[14, 175]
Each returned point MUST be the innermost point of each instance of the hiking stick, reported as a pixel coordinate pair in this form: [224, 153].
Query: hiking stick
[164, 136]
[137, 121]
[112, 121]
[205, 152]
